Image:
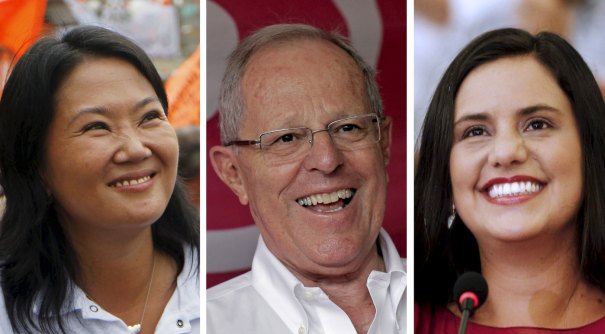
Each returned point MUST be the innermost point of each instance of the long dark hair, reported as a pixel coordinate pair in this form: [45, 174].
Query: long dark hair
[38, 264]
[442, 254]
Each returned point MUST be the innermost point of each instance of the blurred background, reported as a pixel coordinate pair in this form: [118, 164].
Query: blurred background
[443, 27]
[168, 30]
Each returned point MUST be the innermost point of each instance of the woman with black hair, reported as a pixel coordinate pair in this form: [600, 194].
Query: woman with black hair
[510, 183]
[97, 236]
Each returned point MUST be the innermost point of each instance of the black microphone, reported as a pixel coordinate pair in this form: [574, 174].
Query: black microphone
[470, 292]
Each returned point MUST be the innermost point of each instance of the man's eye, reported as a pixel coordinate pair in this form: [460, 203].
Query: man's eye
[286, 138]
[349, 128]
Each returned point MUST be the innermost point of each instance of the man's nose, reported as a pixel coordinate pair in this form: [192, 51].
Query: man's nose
[323, 155]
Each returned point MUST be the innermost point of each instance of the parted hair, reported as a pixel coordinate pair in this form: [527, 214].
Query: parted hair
[442, 254]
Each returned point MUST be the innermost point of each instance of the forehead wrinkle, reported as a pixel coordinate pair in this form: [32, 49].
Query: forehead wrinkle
[278, 75]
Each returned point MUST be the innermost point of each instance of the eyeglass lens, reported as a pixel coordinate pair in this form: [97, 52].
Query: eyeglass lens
[352, 133]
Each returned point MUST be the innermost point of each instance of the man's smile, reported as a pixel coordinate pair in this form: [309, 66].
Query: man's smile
[328, 202]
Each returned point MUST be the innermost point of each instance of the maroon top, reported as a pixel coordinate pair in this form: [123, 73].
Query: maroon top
[442, 321]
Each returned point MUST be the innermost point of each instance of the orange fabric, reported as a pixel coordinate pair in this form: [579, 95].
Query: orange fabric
[183, 89]
[20, 23]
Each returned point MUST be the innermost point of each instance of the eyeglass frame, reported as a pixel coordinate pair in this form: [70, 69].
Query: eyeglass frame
[238, 142]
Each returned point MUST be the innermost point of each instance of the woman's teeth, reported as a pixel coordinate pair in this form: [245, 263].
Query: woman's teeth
[326, 198]
[131, 182]
[514, 188]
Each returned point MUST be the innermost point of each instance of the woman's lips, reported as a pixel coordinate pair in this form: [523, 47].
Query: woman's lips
[512, 190]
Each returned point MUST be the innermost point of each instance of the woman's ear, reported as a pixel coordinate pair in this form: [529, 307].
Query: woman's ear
[225, 164]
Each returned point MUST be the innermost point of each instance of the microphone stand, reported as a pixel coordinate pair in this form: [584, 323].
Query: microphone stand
[468, 307]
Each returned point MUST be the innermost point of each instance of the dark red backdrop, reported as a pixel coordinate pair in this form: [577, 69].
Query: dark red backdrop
[223, 210]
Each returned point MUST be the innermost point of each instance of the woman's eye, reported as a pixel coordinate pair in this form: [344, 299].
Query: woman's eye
[151, 116]
[474, 132]
[95, 126]
[537, 124]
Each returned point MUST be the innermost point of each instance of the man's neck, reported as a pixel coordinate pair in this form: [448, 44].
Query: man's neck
[349, 291]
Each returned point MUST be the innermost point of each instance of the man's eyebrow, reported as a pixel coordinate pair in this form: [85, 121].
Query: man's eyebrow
[101, 110]
[525, 111]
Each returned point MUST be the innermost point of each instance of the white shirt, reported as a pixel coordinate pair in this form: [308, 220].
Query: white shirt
[270, 299]
[181, 314]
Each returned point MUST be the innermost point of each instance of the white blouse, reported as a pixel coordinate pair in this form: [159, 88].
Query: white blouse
[181, 314]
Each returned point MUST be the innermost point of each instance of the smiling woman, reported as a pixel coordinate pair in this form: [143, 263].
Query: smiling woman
[98, 235]
[510, 181]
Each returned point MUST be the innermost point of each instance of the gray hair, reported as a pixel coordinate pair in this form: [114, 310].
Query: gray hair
[231, 108]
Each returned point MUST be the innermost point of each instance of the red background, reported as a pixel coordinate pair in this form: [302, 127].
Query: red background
[223, 209]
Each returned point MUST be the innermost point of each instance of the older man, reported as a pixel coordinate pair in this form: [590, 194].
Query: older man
[306, 145]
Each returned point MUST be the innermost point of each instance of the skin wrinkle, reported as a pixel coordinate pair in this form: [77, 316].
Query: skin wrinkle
[335, 251]
[110, 228]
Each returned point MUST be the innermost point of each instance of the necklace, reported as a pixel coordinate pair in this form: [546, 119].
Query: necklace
[135, 329]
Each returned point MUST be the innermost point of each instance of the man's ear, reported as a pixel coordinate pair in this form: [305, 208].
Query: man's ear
[226, 166]
[385, 139]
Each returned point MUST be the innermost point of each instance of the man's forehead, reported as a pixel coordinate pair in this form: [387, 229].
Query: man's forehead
[296, 79]
[300, 54]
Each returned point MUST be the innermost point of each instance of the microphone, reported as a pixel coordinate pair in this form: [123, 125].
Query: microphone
[470, 292]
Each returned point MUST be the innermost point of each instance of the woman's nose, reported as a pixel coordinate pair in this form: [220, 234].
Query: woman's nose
[508, 149]
[131, 148]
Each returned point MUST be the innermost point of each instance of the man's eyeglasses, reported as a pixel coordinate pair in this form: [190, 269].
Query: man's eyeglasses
[286, 145]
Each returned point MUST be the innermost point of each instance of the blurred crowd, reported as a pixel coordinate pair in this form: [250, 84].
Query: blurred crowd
[443, 27]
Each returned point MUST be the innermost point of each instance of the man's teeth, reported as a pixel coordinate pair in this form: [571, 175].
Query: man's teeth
[327, 198]
[514, 188]
[131, 182]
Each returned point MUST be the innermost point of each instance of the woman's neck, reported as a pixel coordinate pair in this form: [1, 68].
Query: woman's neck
[537, 283]
[125, 275]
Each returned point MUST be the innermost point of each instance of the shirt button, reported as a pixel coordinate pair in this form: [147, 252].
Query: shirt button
[94, 308]
[179, 323]
[301, 330]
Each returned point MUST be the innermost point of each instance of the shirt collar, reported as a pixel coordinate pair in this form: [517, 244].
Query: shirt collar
[395, 272]
[277, 284]
[188, 275]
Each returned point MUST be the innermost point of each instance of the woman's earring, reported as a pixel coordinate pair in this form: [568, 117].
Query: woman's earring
[450, 219]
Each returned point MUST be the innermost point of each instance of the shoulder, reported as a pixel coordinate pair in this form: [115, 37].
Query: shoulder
[230, 288]
[236, 306]
[434, 319]
[182, 313]
[596, 327]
